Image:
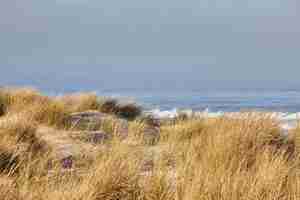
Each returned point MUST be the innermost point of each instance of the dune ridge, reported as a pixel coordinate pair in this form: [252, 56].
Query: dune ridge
[81, 146]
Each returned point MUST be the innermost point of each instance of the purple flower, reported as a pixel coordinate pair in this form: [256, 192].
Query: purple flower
[67, 162]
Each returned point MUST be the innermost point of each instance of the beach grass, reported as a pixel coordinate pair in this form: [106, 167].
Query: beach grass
[222, 158]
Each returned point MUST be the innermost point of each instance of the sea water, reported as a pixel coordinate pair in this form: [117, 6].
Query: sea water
[214, 100]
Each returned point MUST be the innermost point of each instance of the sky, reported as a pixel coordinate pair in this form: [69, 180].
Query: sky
[157, 43]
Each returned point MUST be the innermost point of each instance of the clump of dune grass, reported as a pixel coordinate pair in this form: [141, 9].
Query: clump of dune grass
[37, 107]
[8, 189]
[90, 101]
[294, 137]
[18, 99]
[18, 141]
[120, 183]
[8, 160]
[125, 110]
[80, 102]
[129, 111]
[3, 102]
[2, 107]
[159, 185]
[222, 161]
[109, 106]
[18, 128]
[52, 113]
[183, 130]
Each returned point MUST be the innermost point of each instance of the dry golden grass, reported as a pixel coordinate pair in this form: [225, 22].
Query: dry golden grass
[90, 101]
[17, 99]
[81, 102]
[18, 142]
[238, 157]
[52, 113]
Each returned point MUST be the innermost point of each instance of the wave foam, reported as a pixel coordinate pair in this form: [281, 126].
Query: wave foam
[288, 120]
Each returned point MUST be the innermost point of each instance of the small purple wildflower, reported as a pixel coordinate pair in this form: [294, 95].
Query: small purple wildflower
[67, 162]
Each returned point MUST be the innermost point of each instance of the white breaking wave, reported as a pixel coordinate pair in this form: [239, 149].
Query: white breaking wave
[288, 120]
[159, 114]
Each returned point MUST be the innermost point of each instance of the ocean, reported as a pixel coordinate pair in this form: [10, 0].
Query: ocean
[214, 100]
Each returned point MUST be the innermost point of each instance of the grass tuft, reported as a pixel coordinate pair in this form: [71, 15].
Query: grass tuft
[81, 102]
[109, 106]
[8, 161]
[52, 113]
[128, 111]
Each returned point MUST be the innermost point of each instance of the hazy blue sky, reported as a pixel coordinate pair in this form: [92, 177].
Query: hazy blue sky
[157, 42]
